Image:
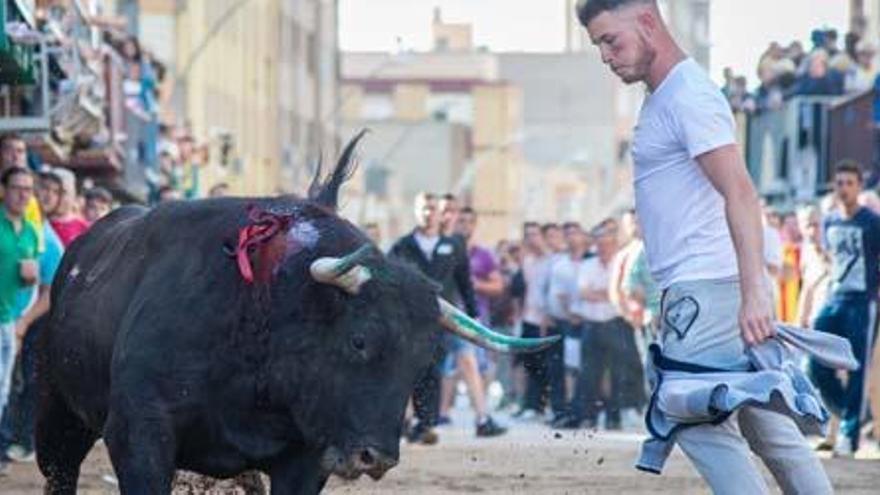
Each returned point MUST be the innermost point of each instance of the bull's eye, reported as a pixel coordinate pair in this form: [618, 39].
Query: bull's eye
[358, 343]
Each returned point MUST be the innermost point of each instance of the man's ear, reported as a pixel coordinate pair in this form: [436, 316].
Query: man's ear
[647, 23]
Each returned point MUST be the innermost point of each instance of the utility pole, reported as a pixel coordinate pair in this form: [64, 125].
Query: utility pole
[857, 19]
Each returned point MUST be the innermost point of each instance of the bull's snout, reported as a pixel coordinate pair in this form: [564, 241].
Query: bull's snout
[365, 460]
[373, 462]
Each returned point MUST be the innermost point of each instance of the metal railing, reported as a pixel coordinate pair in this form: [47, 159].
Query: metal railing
[790, 152]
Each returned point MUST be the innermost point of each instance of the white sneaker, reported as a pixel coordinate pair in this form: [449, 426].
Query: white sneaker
[17, 453]
[843, 448]
[528, 415]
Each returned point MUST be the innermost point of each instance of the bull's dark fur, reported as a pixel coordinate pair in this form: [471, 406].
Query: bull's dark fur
[157, 344]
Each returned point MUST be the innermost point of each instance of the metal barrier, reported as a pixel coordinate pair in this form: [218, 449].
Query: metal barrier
[790, 152]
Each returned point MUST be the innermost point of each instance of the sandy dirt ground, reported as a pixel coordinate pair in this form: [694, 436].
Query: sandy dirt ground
[531, 459]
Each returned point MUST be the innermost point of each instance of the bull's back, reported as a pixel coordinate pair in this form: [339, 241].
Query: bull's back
[89, 295]
[150, 269]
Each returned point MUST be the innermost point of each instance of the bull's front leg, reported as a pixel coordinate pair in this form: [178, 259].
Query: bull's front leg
[299, 474]
[142, 451]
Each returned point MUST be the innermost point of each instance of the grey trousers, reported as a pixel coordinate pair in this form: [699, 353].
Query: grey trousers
[699, 325]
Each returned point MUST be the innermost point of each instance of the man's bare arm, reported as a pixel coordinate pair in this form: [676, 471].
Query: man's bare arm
[492, 286]
[726, 170]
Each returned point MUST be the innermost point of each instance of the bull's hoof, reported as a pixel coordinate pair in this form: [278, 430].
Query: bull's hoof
[188, 483]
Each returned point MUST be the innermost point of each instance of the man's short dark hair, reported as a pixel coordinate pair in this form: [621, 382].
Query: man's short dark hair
[11, 172]
[531, 225]
[849, 167]
[548, 227]
[9, 136]
[49, 176]
[467, 210]
[587, 10]
[449, 197]
[99, 194]
[425, 197]
[571, 225]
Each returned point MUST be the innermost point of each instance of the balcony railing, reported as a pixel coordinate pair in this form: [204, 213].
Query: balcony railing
[67, 97]
[791, 152]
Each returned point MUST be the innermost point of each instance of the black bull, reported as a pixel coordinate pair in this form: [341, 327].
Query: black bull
[158, 343]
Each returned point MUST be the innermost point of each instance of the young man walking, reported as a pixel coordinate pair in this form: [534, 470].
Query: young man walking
[851, 235]
[701, 221]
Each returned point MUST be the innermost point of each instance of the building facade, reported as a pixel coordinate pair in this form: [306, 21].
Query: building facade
[257, 79]
[547, 133]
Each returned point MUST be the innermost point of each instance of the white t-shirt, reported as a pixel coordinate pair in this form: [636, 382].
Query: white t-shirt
[681, 214]
[561, 285]
[772, 247]
[594, 275]
[536, 269]
[427, 244]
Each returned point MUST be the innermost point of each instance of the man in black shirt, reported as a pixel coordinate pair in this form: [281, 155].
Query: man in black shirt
[444, 260]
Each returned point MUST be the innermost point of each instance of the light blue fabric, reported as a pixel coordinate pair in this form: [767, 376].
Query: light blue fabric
[49, 261]
[7, 361]
[683, 399]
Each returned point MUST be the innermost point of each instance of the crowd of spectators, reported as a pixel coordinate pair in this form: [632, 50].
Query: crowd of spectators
[787, 71]
[44, 210]
[798, 253]
[109, 95]
[592, 286]
[587, 285]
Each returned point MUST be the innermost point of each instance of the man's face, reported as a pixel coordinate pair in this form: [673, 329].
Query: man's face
[96, 209]
[14, 154]
[606, 246]
[49, 196]
[847, 187]
[570, 234]
[575, 238]
[554, 239]
[18, 193]
[791, 229]
[532, 237]
[449, 210]
[427, 216]
[773, 219]
[466, 225]
[622, 41]
[809, 225]
[630, 225]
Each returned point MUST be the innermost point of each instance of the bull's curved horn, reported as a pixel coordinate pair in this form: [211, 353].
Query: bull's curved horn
[459, 323]
[346, 273]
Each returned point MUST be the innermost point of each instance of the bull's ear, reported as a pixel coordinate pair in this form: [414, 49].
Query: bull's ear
[327, 193]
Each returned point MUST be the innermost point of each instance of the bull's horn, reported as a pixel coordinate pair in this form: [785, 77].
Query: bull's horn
[459, 323]
[346, 273]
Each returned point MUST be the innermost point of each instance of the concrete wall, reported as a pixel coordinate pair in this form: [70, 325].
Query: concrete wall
[412, 157]
[416, 66]
[269, 78]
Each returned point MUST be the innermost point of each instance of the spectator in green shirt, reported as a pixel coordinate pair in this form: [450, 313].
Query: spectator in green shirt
[18, 266]
[639, 285]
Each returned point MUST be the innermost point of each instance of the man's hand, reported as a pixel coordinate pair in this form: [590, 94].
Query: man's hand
[21, 328]
[756, 316]
[29, 271]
